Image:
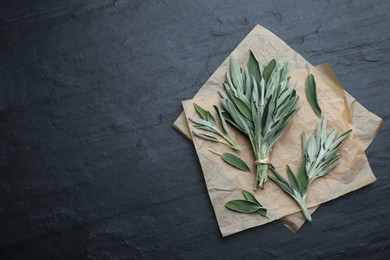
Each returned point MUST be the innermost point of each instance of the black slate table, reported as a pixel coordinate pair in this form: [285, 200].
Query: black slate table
[89, 164]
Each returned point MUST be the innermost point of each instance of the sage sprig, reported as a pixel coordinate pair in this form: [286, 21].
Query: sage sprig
[260, 105]
[319, 158]
[233, 160]
[207, 123]
[311, 94]
[250, 205]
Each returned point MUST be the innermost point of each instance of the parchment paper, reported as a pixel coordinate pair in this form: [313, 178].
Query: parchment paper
[225, 183]
[266, 46]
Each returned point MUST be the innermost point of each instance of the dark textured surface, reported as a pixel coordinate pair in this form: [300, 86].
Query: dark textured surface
[89, 164]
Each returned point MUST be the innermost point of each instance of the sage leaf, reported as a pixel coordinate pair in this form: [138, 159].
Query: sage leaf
[235, 74]
[253, 67]
[244, 109]
[242, 206]
[201, 111]
[292, 179]
[311, 93]
[269, 69]
[210, 118]
[250, 197]
[222, 118]
[206, 137]
[302, 177]
[235, 162]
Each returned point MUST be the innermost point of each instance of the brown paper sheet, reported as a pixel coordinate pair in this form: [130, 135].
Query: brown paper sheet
[266, 45]
[225, 183]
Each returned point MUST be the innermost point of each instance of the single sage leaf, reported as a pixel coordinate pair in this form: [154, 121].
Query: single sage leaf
[269, 69]
[235, 73]
[221, 117]
[302, 177]
[242, 107]
[242, 206]
[253, 67]
[235, 162]
[250, 197]
[292, 179]
[206, 137]
[263, 212]
[311, 93]
[210, 118]
[201, 111]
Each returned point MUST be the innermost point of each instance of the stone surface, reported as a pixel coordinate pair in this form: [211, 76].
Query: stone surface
[89, 164]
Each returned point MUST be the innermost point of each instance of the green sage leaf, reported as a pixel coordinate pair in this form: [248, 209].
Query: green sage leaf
[221, 117]
[242, 206]
[292, 179]
[302, 177]
[235, 162]
[201, 122]
[236, 74]
[311, 93]
[206, 137]
[201, 111]
[250, 197]
[253, 67]
[269, 69]
[282, 185]
[339, 140]
[210, 118]
[242, 107]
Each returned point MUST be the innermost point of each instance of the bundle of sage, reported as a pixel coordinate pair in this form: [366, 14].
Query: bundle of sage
[319, 158]
[260, 105]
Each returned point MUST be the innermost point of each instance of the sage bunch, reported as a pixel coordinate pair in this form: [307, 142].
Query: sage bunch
[319, 158]
[259, 104]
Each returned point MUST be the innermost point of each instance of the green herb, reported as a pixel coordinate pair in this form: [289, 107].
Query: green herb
[319, 158]
[260, 105]
[250, 205]
[249, 197]
[207, 123]
[233, 160]
[311, 94]
[242, 206]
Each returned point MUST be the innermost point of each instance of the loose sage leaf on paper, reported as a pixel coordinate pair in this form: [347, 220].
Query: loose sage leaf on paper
[235, 162]
[243, 206]
[250, 197]
[232, 160]
[311, 93]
